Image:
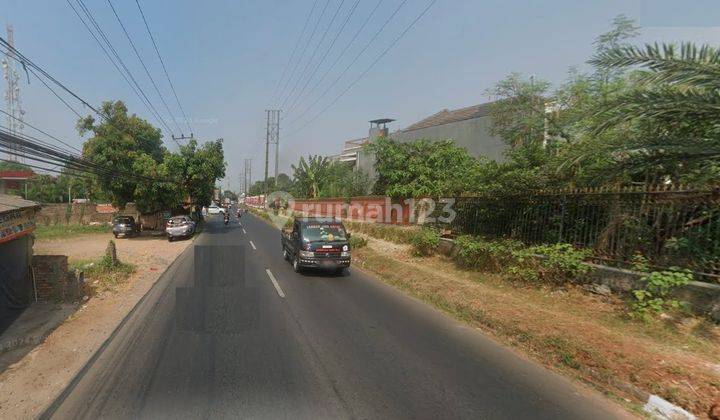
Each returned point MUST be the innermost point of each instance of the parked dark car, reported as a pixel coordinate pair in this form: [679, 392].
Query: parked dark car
[179, 227]
[317, 243]
[124, 226]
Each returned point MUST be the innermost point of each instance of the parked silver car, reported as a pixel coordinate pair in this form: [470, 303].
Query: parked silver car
[179, 227]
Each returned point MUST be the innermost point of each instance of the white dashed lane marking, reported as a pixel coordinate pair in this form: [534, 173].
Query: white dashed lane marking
[275, 283]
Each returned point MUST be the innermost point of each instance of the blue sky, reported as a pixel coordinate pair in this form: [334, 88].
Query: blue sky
[225, 58]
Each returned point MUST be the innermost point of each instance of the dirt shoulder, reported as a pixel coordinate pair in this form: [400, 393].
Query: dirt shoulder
[31, 384]
[583, 335]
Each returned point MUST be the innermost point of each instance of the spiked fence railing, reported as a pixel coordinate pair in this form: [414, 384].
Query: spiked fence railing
[668, 225]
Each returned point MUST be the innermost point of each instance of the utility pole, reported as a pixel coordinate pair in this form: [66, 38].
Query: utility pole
[182, 137]
[248, 176]
[12, 95]
[272, 136]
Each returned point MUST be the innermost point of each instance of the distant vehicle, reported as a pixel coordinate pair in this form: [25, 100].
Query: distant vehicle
[179, 227]
[124, 226]
[215, 209]
[317, 243]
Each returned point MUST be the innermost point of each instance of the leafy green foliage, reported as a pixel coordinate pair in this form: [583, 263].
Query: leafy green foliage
[118, 142]
[552, 264]
[357, 242]
[655, 296]
[422, 168]
[396, 234]
[478, 254]
[548, 264]
[425, 241]
[132, 145]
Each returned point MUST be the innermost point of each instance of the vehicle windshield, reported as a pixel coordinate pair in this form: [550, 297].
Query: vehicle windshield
[123, 220]
[176, 220]
[324, 232]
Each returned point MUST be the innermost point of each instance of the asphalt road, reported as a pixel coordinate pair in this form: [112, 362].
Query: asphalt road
[231, 331]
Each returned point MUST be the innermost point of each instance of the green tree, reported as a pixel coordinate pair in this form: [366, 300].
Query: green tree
[198, 169]
[422, 168]
[309, 174]
[671, 110]
[118, 142]
[518, 113]
[229, 195]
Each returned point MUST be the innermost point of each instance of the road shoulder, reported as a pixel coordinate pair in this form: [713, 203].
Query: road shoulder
[29, 386]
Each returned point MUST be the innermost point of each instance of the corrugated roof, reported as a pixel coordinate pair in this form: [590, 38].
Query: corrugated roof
[449, 116]
[13, 202]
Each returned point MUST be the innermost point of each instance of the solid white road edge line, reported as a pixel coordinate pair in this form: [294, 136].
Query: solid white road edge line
[253, 245]
[275, 283]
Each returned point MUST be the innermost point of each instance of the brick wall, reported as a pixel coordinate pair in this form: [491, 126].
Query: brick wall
[78, 213]
[52, 279]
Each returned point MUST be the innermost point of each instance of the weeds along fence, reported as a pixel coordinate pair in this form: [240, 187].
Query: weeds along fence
[670, 226]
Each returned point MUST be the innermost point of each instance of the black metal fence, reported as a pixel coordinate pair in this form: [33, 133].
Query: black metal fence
[670, 226]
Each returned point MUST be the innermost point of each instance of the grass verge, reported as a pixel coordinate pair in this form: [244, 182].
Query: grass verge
[67, 231]
[101, 275]
[583, 336]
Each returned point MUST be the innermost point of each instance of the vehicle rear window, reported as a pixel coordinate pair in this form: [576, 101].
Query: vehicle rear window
[124, 220]
[323, 232]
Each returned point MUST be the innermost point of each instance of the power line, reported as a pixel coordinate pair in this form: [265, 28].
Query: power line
[292, 55]
[367, 70]
[125, 71]
[162, 62]
[357, 57]
[342, 53]
[315, 50]
[48, 154]
[137, 54]
[302, 54]
[27, 62]
[43, 132]
[298, 98]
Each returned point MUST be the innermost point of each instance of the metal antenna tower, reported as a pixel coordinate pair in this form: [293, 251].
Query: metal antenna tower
[16, 115]
[272, 136]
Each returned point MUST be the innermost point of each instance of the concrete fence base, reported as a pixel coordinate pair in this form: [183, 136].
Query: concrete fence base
[704, 298]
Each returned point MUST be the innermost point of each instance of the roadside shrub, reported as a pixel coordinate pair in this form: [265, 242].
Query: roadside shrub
[425, 241]
[480, 254]
[392, 233]
[556, 263]
[654, 297]
[357, 242]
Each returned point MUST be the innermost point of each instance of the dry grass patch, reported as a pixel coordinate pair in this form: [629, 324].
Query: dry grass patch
[586, 336]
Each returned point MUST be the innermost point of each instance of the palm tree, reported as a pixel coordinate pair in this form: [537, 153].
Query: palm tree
[674, 101]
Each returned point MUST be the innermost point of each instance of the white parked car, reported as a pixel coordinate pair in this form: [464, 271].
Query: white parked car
[215, 209]
[179, 227]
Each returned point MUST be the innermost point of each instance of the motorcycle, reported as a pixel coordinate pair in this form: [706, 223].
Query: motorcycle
[227, 219]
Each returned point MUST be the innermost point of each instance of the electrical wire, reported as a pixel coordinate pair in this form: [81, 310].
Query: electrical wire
[125, 71]
[298, 98]
[147, 72]
[342, 53]
[302, 54]
[25, 61]
[315, 50]
[367, 70]
[162, 62]
[349, 66]
[41, 131]
[292, 55]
